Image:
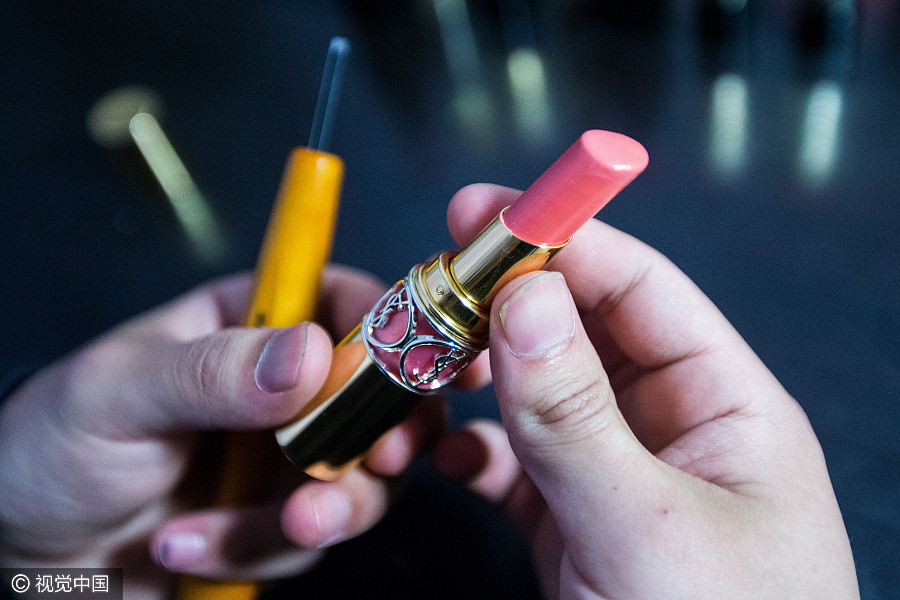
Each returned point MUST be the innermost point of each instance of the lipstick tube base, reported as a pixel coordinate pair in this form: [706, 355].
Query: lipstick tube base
[355, 407]
[419, 337]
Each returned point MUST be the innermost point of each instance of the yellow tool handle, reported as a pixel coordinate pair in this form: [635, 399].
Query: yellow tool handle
[295, 249]
[298, 240]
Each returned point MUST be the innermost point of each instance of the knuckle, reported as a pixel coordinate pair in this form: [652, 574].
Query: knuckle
[214, 377]
[577, 408]
[198, 375]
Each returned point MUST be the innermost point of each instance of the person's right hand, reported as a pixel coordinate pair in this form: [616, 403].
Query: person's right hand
[659, 457]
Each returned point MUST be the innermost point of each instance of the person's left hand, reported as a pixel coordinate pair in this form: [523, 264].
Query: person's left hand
[105, 452]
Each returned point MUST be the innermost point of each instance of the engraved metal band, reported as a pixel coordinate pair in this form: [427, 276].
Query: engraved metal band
[410, 339]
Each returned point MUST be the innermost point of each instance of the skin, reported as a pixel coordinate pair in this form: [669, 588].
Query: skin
[648, 452]
[108, 456]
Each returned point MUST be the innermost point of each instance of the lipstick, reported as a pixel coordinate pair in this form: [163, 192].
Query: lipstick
[431, 325]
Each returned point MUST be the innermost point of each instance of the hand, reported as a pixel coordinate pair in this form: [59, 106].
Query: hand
[659, 457]
[103, 454]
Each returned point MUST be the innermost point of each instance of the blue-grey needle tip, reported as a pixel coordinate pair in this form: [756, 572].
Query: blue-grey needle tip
[329, 93]
[339, 45]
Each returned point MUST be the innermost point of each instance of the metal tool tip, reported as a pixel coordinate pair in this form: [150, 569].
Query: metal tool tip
[329, 93]
[339, 45]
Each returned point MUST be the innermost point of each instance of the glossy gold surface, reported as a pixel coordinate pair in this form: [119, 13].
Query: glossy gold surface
[457, 289]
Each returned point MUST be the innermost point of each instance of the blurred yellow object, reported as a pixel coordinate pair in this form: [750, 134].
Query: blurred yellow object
[197, 588]
[295, 249]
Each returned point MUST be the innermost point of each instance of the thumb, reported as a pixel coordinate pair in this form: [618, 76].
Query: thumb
[560, 411]
[243, 378]
[237, 379]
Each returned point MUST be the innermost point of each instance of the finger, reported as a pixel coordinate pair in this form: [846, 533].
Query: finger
[476, 375]
[463, 456]
[561, 415]
[673, 358]
[235, 543]
[212, 306]
[230, 295]
[474, 206]
[652, 310]
[650, 324]
[347, 295]
[607, 271]
[237, 379]
[321, 514]
[393, 452]
[479, 456]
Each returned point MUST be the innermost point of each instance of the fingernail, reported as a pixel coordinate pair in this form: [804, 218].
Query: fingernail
[538, 318]
[279, 363]
[181, 550]
[332, 512]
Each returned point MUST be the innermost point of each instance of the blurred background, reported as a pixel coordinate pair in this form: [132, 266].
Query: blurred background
[772, 130]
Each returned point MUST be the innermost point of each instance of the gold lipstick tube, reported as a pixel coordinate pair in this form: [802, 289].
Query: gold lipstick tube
[422, 333]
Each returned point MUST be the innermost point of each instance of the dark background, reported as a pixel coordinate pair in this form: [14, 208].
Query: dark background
[772, 182]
